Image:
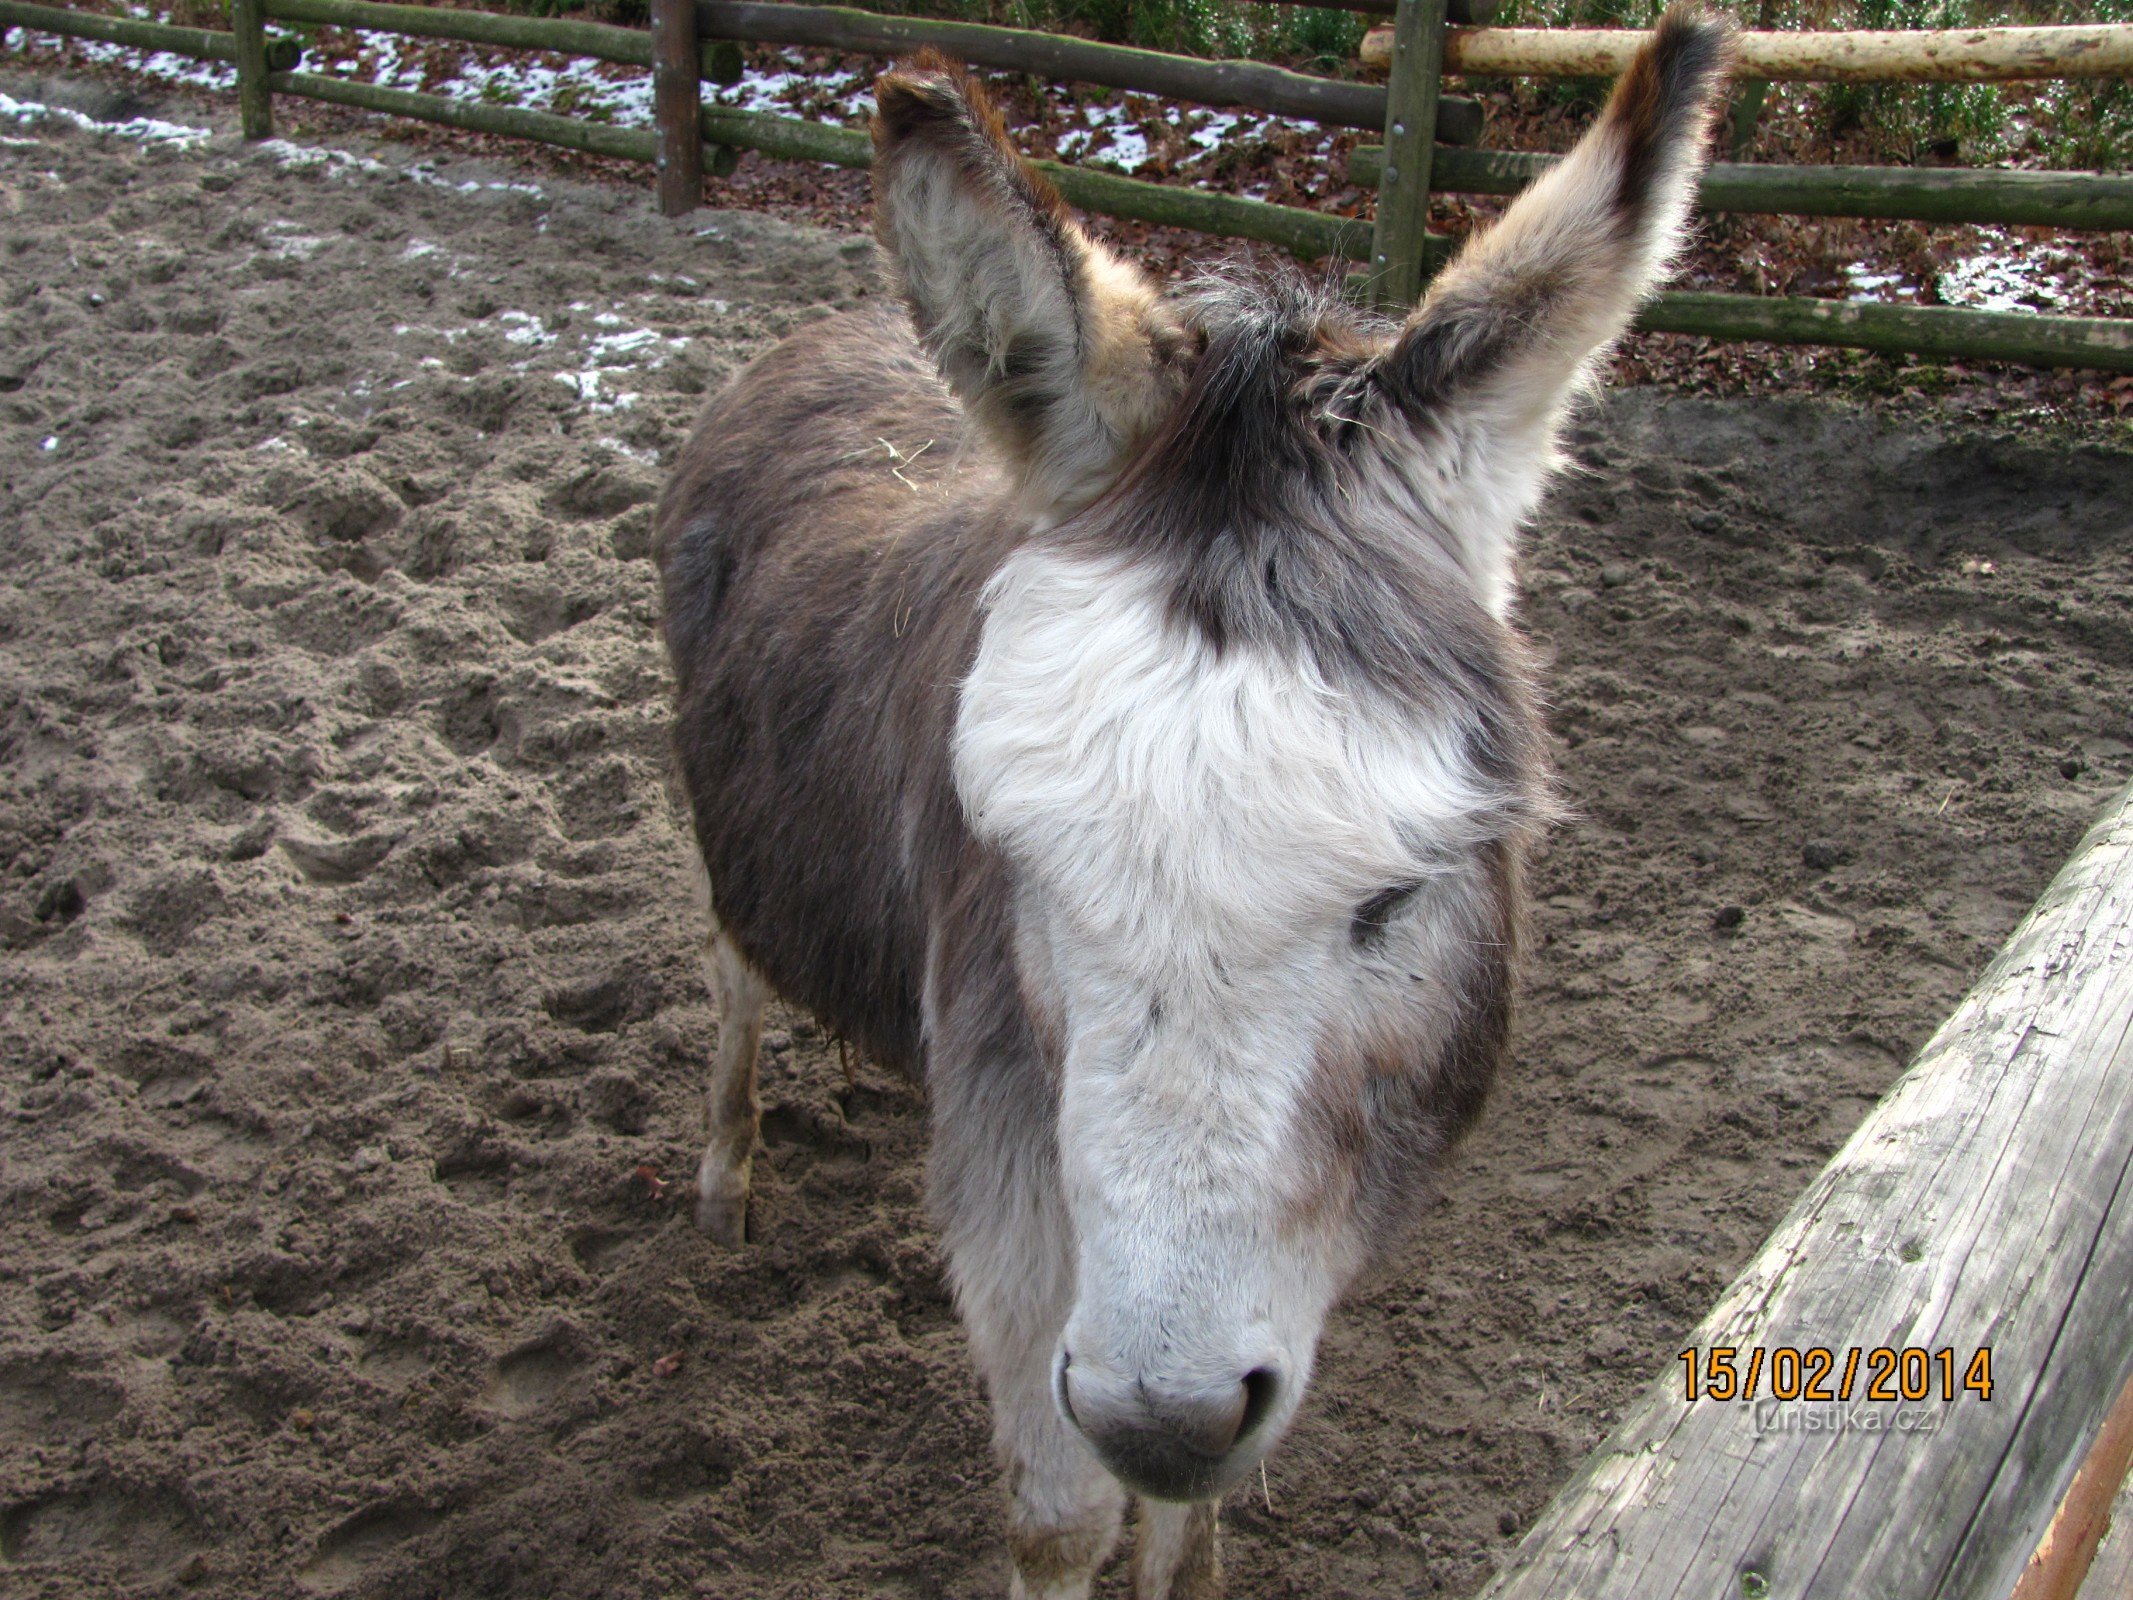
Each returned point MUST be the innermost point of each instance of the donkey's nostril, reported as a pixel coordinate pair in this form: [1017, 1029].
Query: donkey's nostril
[1062, 1390]
[1262, 1387]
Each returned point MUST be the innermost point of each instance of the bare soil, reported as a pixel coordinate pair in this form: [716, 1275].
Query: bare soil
[350, 1023]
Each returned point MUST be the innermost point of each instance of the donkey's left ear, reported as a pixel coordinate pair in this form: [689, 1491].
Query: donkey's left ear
[1064, 354]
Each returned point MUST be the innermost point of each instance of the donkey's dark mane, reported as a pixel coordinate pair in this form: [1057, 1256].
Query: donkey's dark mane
[1247, 498]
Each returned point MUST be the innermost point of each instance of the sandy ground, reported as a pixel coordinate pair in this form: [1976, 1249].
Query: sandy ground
[350, 1023]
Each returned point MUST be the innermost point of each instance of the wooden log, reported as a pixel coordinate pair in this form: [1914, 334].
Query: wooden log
[1396, 251]
[1983, 1203]
[1948, 55]
[1050, 55]
[1921, 194]
[202, 44]
[723, 62]
[255, 103]
[677, 102]
[626, 46]
[1308, 235]
[2110, 1575]
[1479, 13]
[2064, 1558]
[1945, 333]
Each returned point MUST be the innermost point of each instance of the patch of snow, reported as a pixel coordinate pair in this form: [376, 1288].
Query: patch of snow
[2010, 274]
[793, 87]
[649, 457]
[1864, 283]
[338, 162]
[148, 130]
[526, 328]
[1112, 139]
[1215, 129]
[284, 241]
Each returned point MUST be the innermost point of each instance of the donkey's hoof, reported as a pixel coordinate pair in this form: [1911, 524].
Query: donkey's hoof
[722, 1212]
[726, 1221]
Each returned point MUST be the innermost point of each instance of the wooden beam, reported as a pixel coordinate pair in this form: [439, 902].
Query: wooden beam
[1478, 12]
[626, 46]
[1986, 1203]
[2064, 1558]
[2110, 1575]
[1949, 55]
[677, 101]
[255, 102]
[1308, 235]
[202, 44]
[1942, 333]
[1921, 194]
[1396, 264]
[1051, 55]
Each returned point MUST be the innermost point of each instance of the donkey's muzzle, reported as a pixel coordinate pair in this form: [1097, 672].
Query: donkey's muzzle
[1169, 1441]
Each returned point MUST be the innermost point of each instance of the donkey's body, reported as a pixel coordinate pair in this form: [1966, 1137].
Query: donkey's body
[1125, 732]
[819, 603]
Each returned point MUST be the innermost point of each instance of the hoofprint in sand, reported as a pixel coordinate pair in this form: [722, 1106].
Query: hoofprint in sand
[351, 1029]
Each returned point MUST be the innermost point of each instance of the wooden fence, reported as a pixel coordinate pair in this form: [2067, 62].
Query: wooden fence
[1922, 1388]
[1428, 135]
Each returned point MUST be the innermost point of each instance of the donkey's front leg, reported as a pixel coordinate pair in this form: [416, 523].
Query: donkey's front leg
[722, 1175]
[1063, 1508]
[1174, 1553]
[995, 1180]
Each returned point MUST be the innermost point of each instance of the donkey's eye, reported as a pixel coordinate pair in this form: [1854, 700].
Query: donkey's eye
[1374, 915]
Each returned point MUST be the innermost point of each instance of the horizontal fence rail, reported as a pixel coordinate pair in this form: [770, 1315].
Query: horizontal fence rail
[629, 47]
[202, 44]
[1939, 332]
[1062, 58]
[1915, 194]
[1950, 55]
[475, 116]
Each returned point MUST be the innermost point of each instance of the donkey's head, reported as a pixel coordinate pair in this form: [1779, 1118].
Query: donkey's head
[1248, 727]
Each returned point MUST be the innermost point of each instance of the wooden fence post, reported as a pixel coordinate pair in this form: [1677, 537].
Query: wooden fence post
[1396, 266]
[677, 105]
[255, 102]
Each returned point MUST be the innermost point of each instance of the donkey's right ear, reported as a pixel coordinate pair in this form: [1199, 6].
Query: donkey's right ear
[1063, 353]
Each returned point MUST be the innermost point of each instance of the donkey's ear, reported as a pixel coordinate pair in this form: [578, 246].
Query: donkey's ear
[1515, 321]
[1063, 353]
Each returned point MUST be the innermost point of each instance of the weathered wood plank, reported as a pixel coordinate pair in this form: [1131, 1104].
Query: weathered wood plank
[202, 44]
[602, 41]
[2110, 1575]
[1396, 250]
[2065, 1556]
[1946, 55]
[255, 102]
[1058, 56]
[1946, 333]
[677, 101]
[1920, 194]
[1986, 1202]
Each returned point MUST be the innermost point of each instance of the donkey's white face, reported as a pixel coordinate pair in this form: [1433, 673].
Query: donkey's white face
[1248, 726]
[1247, 899]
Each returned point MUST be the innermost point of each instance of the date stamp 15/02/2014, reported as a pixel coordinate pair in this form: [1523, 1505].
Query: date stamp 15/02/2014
[1884, 1373]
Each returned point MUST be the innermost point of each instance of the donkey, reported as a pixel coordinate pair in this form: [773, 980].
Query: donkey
[1104, 703]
